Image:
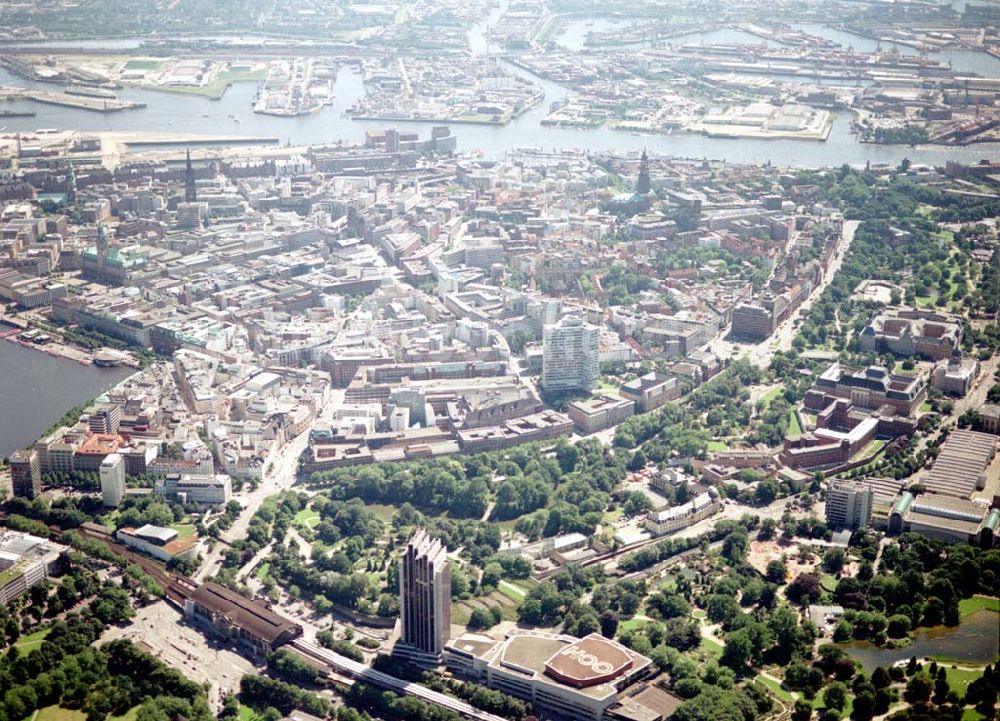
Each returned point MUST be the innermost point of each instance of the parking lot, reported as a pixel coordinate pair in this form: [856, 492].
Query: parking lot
[161, 630]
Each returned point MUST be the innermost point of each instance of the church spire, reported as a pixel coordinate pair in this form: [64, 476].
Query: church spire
[70, 182]
[102, 242]
[642, 184]
[190, 194]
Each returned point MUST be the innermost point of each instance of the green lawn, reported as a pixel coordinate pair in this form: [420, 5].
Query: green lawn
[307, 518]
[969, 606]
[613, 516]
[712, 647]
[848, 704]
[774, 687]
[142, 64]
[514, 593]
[386, 512]
[32, 640]
[263, 569]
[248, 714]
[717, 446]
[127, 716]
[874, 446]
[925, 407]
[970, 714]
[507, 613]
[57, 713]
[8, 575]
[460, 615]
[829, 583]
[184, 530]
[632, 624]
[960, 678]
[770, 396]
[794, 427]
[504, 526]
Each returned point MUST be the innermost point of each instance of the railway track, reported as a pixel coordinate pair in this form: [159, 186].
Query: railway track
[357, 671]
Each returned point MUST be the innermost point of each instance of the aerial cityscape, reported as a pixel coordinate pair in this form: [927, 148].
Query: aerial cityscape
[503, 360]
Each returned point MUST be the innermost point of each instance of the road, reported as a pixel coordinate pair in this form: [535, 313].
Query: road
[781, 339]
[977, 396]
[281, 476]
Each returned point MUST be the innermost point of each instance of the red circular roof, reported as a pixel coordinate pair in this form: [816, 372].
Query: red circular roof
[588, 662]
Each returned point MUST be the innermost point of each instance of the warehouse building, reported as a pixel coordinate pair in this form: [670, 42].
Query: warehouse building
[960, 468]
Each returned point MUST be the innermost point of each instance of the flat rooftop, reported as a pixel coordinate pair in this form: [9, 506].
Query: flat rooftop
[963, 459]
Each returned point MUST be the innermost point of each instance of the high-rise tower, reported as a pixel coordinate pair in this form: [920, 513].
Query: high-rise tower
[112, 475]
[26, 473]
[570, 355]
[424, 599]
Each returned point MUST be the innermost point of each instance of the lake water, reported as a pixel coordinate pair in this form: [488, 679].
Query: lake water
[975, 640]
[36, 389]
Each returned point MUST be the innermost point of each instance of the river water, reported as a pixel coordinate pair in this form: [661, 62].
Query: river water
[168, 112]
[36, 389]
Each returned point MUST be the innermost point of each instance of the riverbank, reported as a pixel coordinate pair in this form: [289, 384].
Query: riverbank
[69, 100]
[100, 358]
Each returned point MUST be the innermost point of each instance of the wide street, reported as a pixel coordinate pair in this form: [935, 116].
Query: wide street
[760, 354]
[279, 475]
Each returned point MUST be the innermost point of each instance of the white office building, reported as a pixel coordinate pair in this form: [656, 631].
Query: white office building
[112, 474]
[674, 519]
[848, 504]
[25, 561]
[158, 542]
[570, 355]
[214, 490]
